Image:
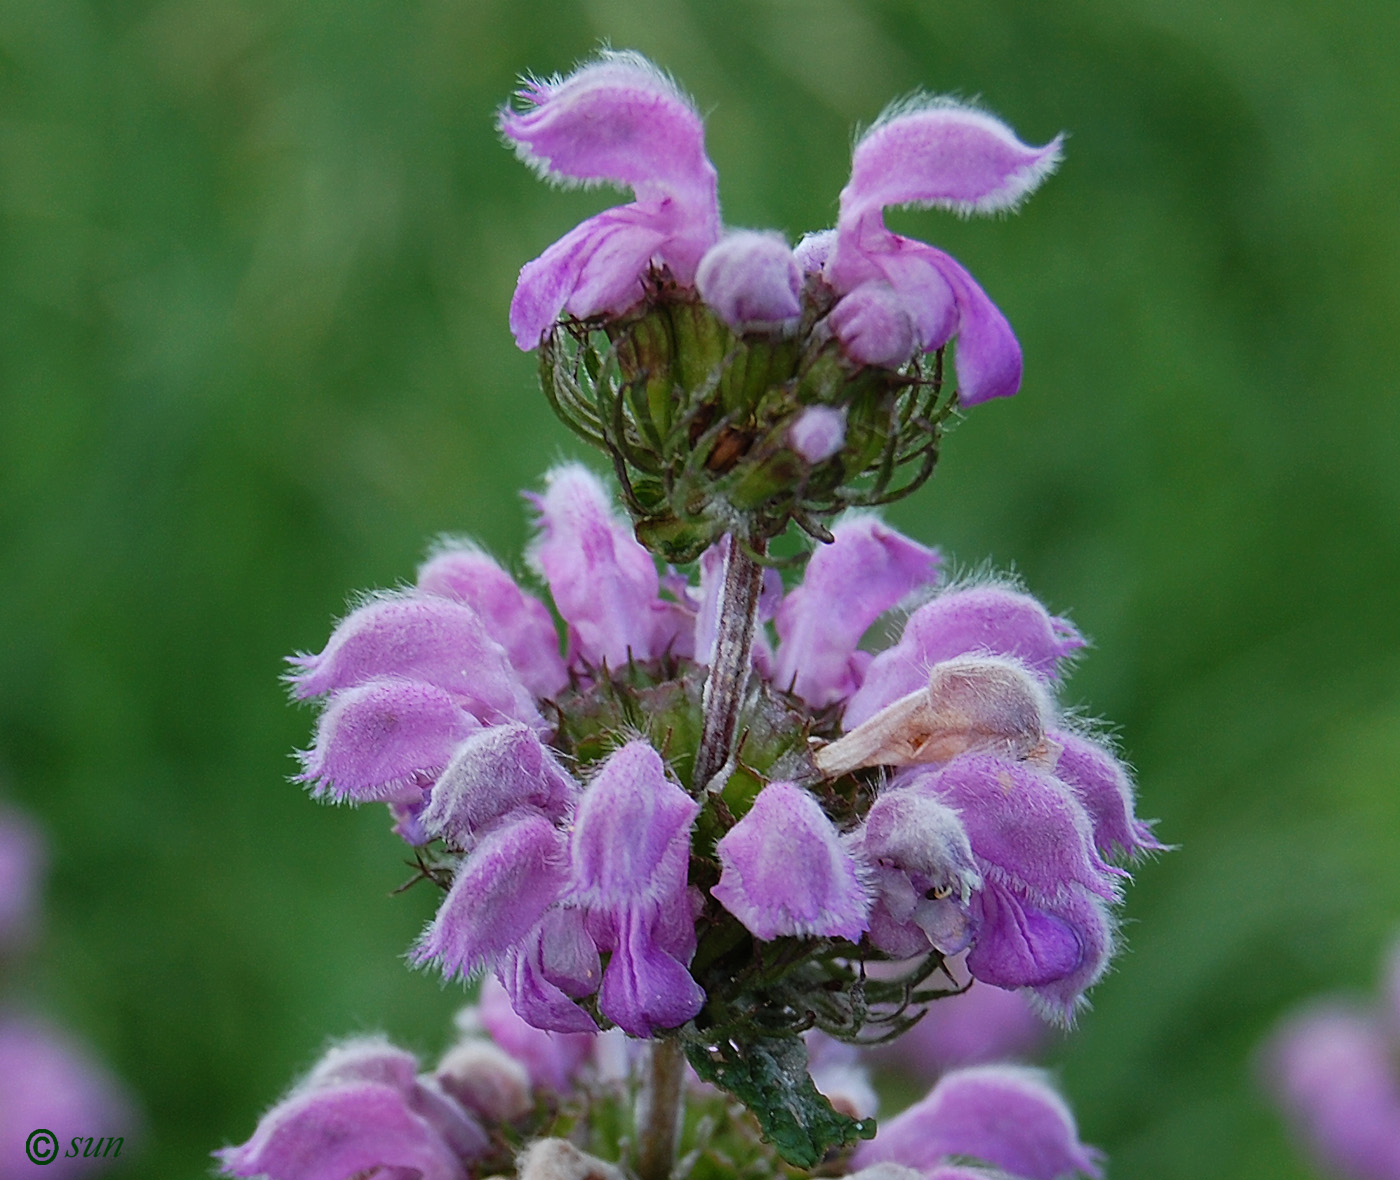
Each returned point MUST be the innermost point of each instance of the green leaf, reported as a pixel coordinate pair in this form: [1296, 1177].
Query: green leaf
[770, 1077]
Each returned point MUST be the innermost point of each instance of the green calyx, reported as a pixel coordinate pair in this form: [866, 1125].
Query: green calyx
[697, 419]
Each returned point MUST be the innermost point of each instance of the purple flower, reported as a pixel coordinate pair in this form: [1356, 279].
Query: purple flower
[929, 153]
[850, 583]
[604, 583]
[622, 121]
[552, 1059]
[1333, 1069]
[990, 619]
[1103, 786]
[786, 870]
[630, 857]
[1003, 1115]
[48, 1081]
[362, 1108]
[752, 281]
[519, 622]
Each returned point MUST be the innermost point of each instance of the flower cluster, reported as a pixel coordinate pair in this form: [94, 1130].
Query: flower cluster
[926, 800]
[726, 373]
[366, 1106]
[1334, 1067]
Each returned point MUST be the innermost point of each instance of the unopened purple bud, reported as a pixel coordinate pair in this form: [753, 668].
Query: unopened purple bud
[519, 622]
[867, 570]
[874, 326]
[377, 739]
[751, 280]
[991, 620]
[494, 772]
[786, 870]
[485, 1080]
[818, 432]
[813, 250]
[558, 1159]
[419, 637]
[1102, 784]
[512, 875]
[363, 1059]
[1003, 1115]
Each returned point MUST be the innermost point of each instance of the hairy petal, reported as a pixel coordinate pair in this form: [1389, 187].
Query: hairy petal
[818, 432]
[751, 280]
[991, 620]
[645, 987]
[1102, 785]
[874, 326]
[419, 637]
[494, 772]
[940, 153]
[866, 571]
[603, 581]
[1004, 1115]
[786, 870]
[519, 622]
[377, 738]
[515, 872]
[551, 1058]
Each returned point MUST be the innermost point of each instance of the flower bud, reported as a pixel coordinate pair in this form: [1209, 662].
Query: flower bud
[817, 433]
[752, 281]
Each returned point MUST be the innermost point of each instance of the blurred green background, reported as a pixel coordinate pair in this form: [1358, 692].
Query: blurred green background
[256, 258]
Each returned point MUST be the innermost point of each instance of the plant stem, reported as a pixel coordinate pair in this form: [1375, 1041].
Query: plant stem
[659, 1109]
[729, 670]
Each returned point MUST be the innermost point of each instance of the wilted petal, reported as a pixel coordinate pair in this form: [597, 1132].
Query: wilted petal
[786, 870]
[751, 281]
[603, 581]
[341, 1131]
[1332, 1070]
[1102, 784]
[519, 622]
[866, 571]
[552, 1058]
[419, 637]
[874, 326]
[1004, 1115]
[818, 432]
[631, 835]
[377, 738]
[992, 620]
[515, 872]
[494, 772]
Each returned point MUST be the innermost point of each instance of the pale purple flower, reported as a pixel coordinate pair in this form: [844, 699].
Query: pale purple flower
[868, 570]
[21, 866]
[752, 281]
[818, 432]
[47, 1080]
[987, 619]
[385, 740]
[929, 153]
[630, 855]
[786, 870]
[514, 873]
[617, 120]
[519, 622]
[1104, 787]
[485, 1080]
[551, 966]
[604, 583]
[423, 638]
[493, 773]
[361, 1109]
[1334, 1068]
[1003, 1115]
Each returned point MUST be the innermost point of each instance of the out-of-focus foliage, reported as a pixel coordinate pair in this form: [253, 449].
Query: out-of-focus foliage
[256, 257]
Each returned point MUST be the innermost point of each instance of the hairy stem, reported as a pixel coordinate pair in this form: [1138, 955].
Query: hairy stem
[729, 670]
[659, 1110]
